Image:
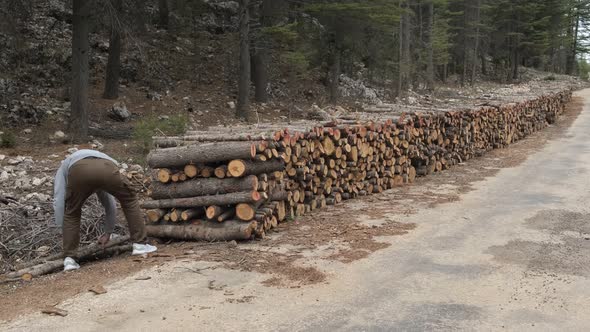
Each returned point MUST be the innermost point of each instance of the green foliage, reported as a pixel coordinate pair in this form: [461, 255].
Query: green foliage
[154, 126]
[7, 140]
[297, 61]
[284, 35]
[441, 36]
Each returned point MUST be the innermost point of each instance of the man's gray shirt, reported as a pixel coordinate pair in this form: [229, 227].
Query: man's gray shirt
[60, 185]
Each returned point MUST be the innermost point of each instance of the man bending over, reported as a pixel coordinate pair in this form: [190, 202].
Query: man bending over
[82, 174]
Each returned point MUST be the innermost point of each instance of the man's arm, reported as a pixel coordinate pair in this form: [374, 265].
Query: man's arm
[59, 194]
[110, 208]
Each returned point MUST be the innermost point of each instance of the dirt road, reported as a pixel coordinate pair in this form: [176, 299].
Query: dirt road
[511, 254]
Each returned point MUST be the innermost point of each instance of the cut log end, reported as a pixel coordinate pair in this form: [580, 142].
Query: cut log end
[164, 175]
[236, 168]
[245, 212]
[191, 171]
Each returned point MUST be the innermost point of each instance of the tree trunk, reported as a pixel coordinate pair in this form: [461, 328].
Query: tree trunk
[260, 56]
[430, 51]
[203, 153]
[467, 25]
[80, 49]
[191, 202]
[163, 13]
[515, 62]
[243, 107]
[205, 231]
[407, 34]
[202, 186]
[571, 57]
[484, 66]
[334, 74]
[400, 64]
[111, 89]
[260, 74]
[476, 47]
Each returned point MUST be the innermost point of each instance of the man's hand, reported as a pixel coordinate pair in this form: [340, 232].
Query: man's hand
[104, 239]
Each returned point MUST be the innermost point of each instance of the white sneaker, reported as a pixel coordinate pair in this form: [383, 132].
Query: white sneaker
[70, 264]
[142, 249]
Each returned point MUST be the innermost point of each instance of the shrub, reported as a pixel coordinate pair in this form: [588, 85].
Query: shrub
[154, 126]
[7, 140]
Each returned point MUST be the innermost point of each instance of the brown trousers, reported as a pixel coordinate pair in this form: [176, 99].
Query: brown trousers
[86, 177]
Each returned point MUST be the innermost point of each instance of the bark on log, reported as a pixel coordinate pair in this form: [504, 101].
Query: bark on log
[226, 215]
[205, 231]
[213, 212]
[201, 187]
[50, 266]
[223, 199]
[204, 153]
[191, 214]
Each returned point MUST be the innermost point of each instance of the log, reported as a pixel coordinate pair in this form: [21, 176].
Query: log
[221, 172]
[175, 141]
[203, 153]
[191, 171]
[223, 199]
[213, 211]
[50, 266]
[207, 172]
[245, 211]
[201, 187]
[230, 213]
[175, 215]
[164, 175]
[205, 231]
[239, 168]
[191, 214]
[155, 215]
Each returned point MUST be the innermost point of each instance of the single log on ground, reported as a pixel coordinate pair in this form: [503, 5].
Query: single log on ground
[50, 266]
[201, 187]
[203, 153]
[204, 231]
[238, 168]
[224, 199]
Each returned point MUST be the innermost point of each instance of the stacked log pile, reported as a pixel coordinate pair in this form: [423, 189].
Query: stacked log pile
[224, 190]
[238, 184]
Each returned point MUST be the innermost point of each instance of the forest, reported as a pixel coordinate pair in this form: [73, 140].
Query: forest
[397, 45]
